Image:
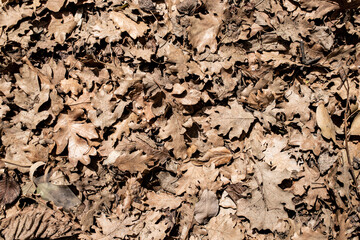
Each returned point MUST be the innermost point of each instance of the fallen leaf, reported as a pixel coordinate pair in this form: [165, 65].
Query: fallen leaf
[207, 207]
[125, 24]
[325, 123]
[203, 32]
[234, 120]
[355, 125]
[9, 189]
[68, 132]
[219, 156]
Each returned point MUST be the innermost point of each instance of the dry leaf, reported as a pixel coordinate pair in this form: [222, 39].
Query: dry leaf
[125, 24]
[9, 189]
[355, 125]
[68, 132]
[325, 123]
[234, 121]
[219, 156]
[207, 207]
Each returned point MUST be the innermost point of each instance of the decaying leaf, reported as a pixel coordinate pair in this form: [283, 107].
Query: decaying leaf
[170, 104]
[9, 189]
[41, 222]
[61, 195]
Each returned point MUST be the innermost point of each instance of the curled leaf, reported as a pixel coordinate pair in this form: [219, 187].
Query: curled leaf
[325, 123]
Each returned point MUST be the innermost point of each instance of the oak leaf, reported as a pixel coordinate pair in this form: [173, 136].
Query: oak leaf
[234, 120]
[203, 32]
[265, 208]
[125, 161]
[70, 133]
[174, 129]
[125, 24]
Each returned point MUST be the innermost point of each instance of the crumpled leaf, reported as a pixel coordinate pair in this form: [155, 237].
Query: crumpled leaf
[218, 156]
[325, 123]
[38, 223]
[106, 111]
[207, 207]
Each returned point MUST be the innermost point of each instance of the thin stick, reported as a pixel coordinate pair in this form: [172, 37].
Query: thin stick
[345, 79]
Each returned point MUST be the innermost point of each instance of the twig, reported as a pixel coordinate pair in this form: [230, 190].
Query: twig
[346, 84]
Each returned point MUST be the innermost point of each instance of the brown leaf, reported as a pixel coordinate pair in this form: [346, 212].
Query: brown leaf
[54, 5]
[207, 207]
[266, 206]
[174, 129]
[218, 156]
[125, 161]
[125, 24]
[60, 27]
[187, 6]
[68, 132]
[9, 189]
[163, 200]
[35, 223]
[203, 32]
[234, 120]
[355, 125]
[325, 123]
[10, 16]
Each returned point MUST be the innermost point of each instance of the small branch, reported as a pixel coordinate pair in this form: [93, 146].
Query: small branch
[346, 84]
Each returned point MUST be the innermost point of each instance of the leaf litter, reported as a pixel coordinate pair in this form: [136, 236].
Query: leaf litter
[179, 119]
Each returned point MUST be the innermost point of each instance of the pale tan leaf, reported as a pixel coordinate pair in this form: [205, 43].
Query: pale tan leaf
[218, 156]
[161, 200]
[60, 27]
[234, 120]
[54, 5]
[10, 16]
[355, 125]
[79, 150]
[207, 207]
[325, 123]
[203, 32]
[125, 24]
[125, 161]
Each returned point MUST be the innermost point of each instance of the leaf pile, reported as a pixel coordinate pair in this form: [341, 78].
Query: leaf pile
[186, 119]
